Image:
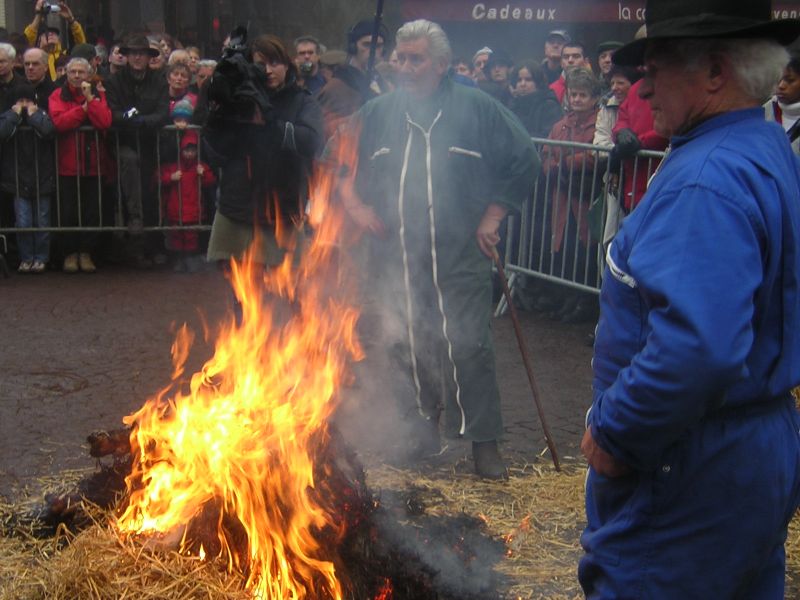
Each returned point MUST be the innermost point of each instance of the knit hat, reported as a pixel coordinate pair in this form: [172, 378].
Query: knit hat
[86, 51]
[23, 91]
[484, 50]
[183, 109]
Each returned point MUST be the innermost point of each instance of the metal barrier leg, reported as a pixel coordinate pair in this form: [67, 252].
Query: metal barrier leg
[502, 305]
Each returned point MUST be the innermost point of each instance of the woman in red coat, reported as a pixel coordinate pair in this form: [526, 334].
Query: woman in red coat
[82, 160]
[570, 175]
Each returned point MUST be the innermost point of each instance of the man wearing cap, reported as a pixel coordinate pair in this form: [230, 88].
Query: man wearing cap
[496, 71]
[479, 60]
[351, 85]
[553, 45]
[50, 37]
[605, 50]
[439, 165]
[692, 439]
[139, 102]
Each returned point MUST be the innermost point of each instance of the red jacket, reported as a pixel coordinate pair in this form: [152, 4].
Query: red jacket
[569, 173]
[183, 197]
[635, 114]
[81, 157]
[559, 86]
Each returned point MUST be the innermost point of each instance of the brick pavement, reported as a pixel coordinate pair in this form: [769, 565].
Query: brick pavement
[80, 352]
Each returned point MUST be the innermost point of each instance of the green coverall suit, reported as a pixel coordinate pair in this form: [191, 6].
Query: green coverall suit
[429, 169]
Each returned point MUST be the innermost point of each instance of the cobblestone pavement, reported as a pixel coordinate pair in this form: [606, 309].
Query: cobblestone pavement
[80, 352]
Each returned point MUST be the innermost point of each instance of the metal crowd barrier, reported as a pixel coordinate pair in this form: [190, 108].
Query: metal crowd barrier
[559, 234]
[110, 197]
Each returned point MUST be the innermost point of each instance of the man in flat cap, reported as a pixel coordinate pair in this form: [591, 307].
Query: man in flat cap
[692, 439]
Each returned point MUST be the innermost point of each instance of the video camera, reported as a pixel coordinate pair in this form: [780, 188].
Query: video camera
[237, 42]
[51, 8]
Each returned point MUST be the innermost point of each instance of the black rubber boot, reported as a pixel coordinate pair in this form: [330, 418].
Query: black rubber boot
[488, 463]
[425, 441]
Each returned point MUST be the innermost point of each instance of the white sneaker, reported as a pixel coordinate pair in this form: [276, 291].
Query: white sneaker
[25, 266]
[38, 267]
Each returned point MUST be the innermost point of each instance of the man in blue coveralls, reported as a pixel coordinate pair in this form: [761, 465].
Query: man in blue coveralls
[692, 438]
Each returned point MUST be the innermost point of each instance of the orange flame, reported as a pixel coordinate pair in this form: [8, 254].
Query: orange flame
[386, 592]
[243, 437]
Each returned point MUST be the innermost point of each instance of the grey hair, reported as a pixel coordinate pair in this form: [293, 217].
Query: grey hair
[207, 62]
[42, 54]
[581, 78]
[177, 55]
[8, 50]
[757, 63]
[438, 44]
[79, 61]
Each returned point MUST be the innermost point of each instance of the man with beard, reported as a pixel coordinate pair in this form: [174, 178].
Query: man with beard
[439, 165]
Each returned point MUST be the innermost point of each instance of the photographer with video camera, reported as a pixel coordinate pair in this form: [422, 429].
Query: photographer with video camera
[50, 37]
[264, 131]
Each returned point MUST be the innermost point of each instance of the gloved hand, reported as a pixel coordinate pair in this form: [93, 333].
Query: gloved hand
[488, 233]
[628, 143]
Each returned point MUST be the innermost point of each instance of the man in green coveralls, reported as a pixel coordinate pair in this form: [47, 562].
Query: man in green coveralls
[439, 166]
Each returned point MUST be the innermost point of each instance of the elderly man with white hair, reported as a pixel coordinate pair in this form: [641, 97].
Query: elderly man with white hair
[692, 439]
[439, 166]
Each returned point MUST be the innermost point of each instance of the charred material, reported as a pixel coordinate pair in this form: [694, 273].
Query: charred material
[107, 443]
[383, 546]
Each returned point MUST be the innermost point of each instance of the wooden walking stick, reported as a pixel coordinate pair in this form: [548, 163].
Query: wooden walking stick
[523, 348]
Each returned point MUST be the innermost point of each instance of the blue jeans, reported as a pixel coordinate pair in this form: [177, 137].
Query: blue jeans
[33, 246]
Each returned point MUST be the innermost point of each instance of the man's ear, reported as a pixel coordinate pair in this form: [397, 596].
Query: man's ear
[719, 72]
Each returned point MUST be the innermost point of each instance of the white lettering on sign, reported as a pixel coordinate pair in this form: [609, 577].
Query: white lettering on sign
[625, 13]
[512, 13]
[785, 14]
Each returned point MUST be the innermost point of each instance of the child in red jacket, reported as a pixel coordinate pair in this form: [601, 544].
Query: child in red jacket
[182, 184]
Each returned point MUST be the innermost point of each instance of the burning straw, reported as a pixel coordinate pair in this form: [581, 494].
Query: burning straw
[538, 512]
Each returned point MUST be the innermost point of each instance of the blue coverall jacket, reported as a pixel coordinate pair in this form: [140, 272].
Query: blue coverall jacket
[698, 347]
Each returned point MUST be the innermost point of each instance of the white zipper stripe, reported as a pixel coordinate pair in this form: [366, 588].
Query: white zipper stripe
[618, 273]
[435, 266]
[380, 152]
[457, 150]
[407, 276]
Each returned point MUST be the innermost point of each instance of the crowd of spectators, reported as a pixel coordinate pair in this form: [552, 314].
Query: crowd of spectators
[114, 136]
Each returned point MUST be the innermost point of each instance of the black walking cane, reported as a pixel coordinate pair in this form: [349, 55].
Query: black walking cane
[373, 42]
[523, 348]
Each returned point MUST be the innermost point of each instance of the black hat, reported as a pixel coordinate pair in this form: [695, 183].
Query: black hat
[138, 42]
[361, 29]
[497, 57]
[669, 19]
[609, 45]
[23, 90]
[86, 51]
